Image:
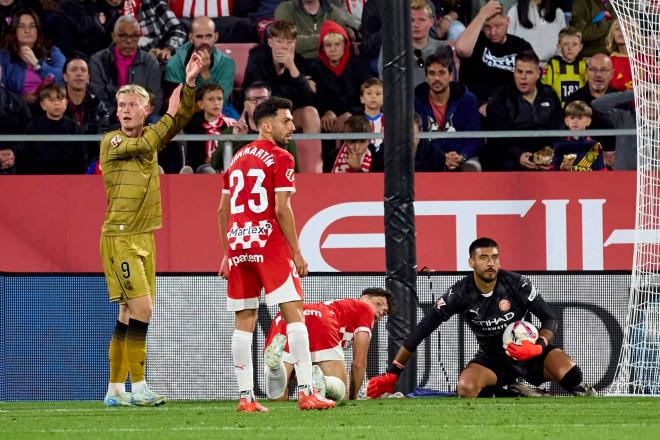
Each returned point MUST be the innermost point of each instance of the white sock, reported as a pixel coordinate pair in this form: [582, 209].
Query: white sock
[298, 339]
[275, 382]
[137, 386]
[241, 350]
[115, 388]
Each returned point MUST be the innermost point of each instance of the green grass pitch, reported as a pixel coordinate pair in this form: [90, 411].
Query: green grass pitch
[421, 418]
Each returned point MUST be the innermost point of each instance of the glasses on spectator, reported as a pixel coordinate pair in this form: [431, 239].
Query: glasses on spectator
[601, 70]
[418, 58]
[131, 37]
[256, 99]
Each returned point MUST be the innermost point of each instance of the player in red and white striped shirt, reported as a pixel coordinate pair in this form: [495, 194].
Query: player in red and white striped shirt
[333, 326]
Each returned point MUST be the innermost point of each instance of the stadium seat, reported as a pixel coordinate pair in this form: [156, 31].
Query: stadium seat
[239, 53]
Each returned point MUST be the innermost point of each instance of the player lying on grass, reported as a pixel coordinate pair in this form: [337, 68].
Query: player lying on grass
[333, 327]
[489, 299]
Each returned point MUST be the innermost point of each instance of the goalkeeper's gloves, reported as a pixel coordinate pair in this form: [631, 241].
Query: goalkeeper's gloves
[384, 383]
[526, 350]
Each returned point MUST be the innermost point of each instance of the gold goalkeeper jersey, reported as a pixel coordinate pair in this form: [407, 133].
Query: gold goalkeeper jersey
[130, 172]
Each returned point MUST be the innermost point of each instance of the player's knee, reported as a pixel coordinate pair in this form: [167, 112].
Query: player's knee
[468, 388]
[142, 311]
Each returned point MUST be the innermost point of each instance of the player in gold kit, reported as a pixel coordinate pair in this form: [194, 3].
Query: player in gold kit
[129, 163]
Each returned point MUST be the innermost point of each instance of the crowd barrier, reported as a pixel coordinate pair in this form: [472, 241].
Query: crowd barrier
[542, 221]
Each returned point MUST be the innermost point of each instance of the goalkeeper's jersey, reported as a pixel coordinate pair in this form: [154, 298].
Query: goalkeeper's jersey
[130, 172]
[487, 315]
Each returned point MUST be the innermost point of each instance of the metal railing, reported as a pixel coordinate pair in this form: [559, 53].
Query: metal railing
[334, 136]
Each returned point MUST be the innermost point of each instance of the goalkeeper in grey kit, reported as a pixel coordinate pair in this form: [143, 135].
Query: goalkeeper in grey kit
[489, 300]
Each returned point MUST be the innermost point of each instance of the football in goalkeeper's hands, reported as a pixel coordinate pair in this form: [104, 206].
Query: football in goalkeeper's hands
[519, 331]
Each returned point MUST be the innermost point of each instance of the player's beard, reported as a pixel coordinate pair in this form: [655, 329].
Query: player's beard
[488, 277]
[281, 141]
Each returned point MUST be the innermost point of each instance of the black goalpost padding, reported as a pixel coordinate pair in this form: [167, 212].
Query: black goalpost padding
[399, 179]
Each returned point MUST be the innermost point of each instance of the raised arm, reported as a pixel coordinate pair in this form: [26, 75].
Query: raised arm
[467, 40]
[181, 108]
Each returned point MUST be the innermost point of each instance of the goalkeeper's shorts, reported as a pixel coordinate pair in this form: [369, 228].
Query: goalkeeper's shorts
[508, 370]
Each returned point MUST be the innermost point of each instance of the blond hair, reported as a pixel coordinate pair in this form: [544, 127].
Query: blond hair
[134, 89]
[333, 37]
[418, 5]
[610, 44]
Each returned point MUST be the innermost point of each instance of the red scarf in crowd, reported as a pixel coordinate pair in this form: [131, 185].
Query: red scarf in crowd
[215, 127]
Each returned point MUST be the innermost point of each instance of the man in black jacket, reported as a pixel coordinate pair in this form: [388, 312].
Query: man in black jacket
[526, 105]
[83, 106]
[488, 51]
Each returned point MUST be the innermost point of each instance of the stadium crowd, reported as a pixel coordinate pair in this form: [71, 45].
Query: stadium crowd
[530, 65]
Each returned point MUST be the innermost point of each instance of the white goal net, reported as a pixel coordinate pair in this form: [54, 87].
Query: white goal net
[638, 371]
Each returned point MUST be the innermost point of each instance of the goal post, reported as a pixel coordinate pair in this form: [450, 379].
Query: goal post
[638, 371]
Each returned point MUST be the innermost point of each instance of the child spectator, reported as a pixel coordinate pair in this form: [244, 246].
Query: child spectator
[52, 157]
[210, 120]
[566, 73]
[577, 153]
[253, 95]
[354, 155]
[371, 97]
[338, 76]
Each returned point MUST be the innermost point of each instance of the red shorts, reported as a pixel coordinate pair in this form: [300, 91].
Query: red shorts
[324, 339]
[270, 268]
